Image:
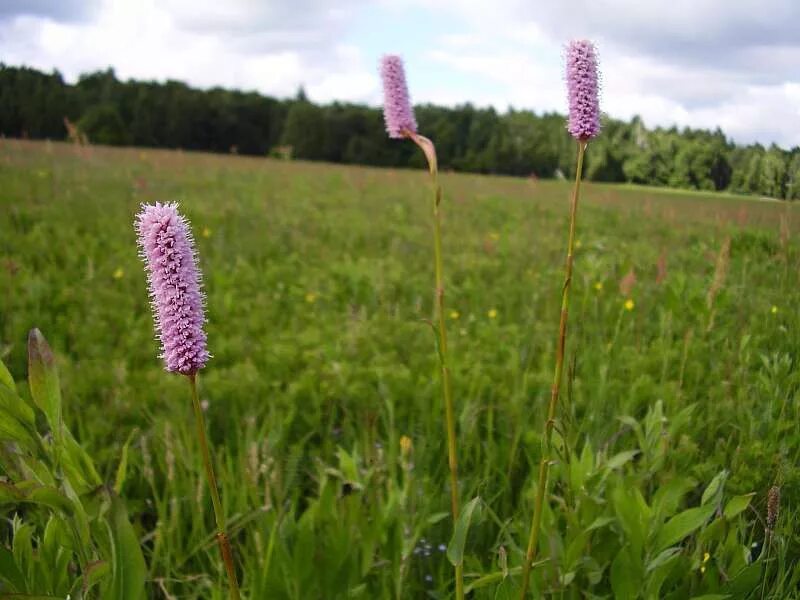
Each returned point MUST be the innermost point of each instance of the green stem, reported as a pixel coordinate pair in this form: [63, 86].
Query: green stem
[219, 515]
[447, 389]
[544, 464]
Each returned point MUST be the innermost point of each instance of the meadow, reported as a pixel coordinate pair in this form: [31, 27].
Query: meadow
[679, 408]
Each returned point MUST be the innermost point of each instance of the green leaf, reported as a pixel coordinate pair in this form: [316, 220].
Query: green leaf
[10, 494]
[625, 576]
[714, 488]
[30, 597]
[122, 469]
[10, 573]
[598, 523]
[681, 525]
[12, 430]
[662, 559]
[43, 379]
[128, 567]
[5, 377]
[619, 460]
[632, 515]
[737, 504]
[16, 406]
[436, 517]
[17, 420]
[500, 576]
[745, 581]
[51, 498]
[669, 495]
[455, 549]
[79, 465]
[711, 597]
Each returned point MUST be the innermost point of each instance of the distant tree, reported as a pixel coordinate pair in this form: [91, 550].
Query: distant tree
[773, 173]
[103, 125]
[304, 131]
[516, 142]
[793, 176]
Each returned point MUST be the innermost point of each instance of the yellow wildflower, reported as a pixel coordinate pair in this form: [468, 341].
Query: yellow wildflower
[492, 313]
[119, 273]
[311, 297]
[774, 310]
[629, 304]
[599, 286]
[206, 232]
[454, 314]
[406, 445]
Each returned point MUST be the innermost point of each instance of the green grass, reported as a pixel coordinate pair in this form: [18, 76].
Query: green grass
[320, 291]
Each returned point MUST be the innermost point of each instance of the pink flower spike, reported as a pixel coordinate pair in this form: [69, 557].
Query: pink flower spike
[398, 114]
[582, 87]
[167, 248]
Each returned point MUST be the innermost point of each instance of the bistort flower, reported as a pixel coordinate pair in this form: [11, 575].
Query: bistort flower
[582, 88]
[398, 114]
[167, 248]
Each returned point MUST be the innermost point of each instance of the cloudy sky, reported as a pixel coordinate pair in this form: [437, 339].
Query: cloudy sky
[704, 63]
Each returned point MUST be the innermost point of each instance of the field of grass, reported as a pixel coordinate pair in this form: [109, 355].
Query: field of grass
[680, 396]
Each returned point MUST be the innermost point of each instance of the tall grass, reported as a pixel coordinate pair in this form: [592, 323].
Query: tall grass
[320, 369]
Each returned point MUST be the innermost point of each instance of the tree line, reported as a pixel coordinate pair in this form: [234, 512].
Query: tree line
[106, 110]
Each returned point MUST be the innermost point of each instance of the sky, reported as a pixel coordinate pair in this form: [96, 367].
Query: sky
[733, 64]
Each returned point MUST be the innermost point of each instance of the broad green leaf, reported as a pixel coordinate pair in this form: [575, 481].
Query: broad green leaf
[737, 504]
[745, 581]
[711, 597]
[715, 487]
[668, 497]
[455, 549]
[632, 515]
[128, 567]
[681, 525]
[43, 379]
[625, 576]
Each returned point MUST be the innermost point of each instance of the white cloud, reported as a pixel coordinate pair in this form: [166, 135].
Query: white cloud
[144, 40]
[701, 63]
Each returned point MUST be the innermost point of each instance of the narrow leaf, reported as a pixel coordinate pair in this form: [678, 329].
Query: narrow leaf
[715, 487]
[43, 379]
[128, 567]
[455, 550]
[5, 376]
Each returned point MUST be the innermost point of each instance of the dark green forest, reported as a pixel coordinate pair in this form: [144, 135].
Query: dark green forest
[518, 142]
